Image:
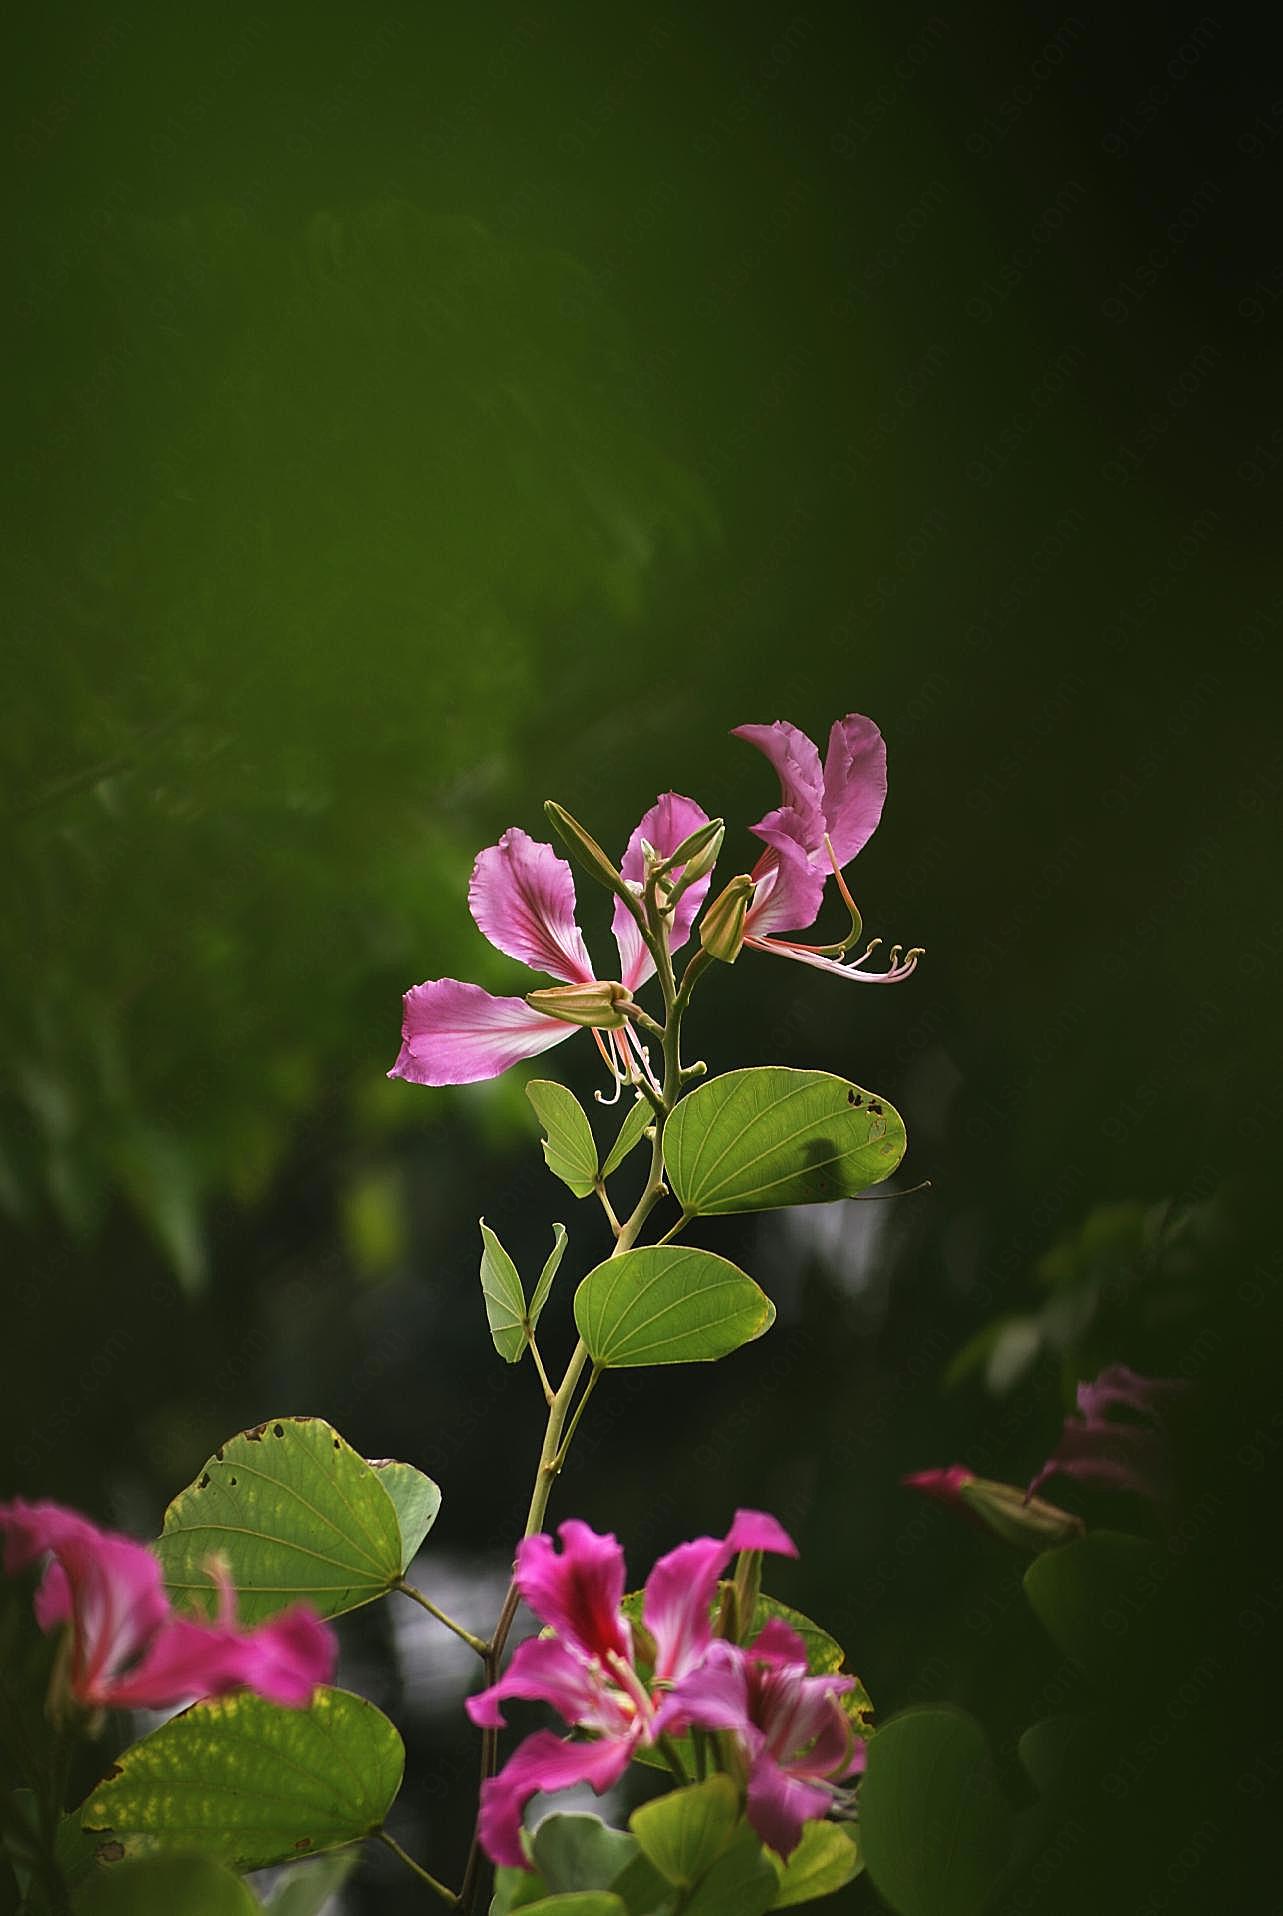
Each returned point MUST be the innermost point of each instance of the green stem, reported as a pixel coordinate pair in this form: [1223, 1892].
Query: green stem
[673, 1229]
[446, 1895]
[573, 1425]
[473, 1643]
[673, 1757]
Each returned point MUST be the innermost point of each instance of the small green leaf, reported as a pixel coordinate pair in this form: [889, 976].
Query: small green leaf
[1093, 1595]
[250, 1783]
[569, 1145]
[579, 1851]
[546, 1275]
[505, 1298]
[668, 1304]
[515, 1889]
[685, 1832]
[296, 1515]
[935, 1829]
[827, 1857]
[754, 1140]
[586, 1902]
[309, 1886]
[415, 1498]
[742, 1882]
[630, 1135]
[166, 1886]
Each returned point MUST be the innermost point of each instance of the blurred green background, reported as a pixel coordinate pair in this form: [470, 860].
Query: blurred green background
[413, 414]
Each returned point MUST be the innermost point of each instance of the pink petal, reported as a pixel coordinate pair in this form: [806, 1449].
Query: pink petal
[780, 1804]
[944, 1485]
[1116, 1385]
[283, 1660]
[456, 1033]
[758, 1530]
[578, 1589]
[542, 1762]
[713, 1695]
[797, 762]
[855, 784]
[543, 1669]
[670, 819]
[1116, 1456]
[779, 1643]
[681, 1587]
[522, 897]
[790, 889]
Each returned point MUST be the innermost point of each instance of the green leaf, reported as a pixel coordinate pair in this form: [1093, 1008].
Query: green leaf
[249, 1783]
[754, 1140]
[309, 1886]
[166, 1886]
[579, 1851]
[590, 1902]
[296, 1515]
[827, 1857]
[505, 1297]
[415, 1498]
[546, 1275]
[515, 1889]
[742, 1882]
[935, 1829]
[685, 1832]
[630, 1135]
[1091, 1596]
[569, 1146]
[668, 1304]
[1051, 1751]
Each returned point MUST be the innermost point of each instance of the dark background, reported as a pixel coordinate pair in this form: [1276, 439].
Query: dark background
[414, 414]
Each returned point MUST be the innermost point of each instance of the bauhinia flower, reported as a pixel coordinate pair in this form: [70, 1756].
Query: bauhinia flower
[1028, 1522]
[796, 1743]
[127, 1649]
[588, 1667]
[826, 815]
[522, 896]
[1098, 1448]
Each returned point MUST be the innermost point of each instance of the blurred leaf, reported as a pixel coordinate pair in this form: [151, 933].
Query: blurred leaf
[515, 1889]
[579, 1851]
[664, 1304]
[630, 1135]
[504, 1296]
[684, 1832]
[759, 1139]
[415, 1498]
[569, 1145]
[935, 1829]
[742, 1882]
[827, 1857]
[166, 1886]
[159, 1177]
[308, 1887]
[1047, 1750]
[590, 1902]
[1092, 1595]
[296, 1515]
[251, 1783]
[374, 1221]
[546, 1276]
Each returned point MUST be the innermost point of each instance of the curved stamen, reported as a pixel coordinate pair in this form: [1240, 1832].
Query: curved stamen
[611, 1066]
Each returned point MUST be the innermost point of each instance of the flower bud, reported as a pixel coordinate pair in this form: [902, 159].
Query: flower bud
[585, 850]
[599, 1004]
[1028, 1523]
[721, 929]
[696, 855]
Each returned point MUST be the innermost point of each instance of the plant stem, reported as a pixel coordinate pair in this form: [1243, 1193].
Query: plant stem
[573, 1425]
[607, 1207]
[446, 1895]
[473, 1643]
[548, 1391]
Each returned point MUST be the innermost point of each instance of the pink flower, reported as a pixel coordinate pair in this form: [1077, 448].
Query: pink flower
[1117, 1454]
[522, 896]
[587, 1668]
[796, 1741]
[827, 814]
[128, 1648]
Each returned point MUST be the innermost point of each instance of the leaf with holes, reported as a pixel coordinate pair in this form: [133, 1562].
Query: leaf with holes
[296, 1515]
[249, 1783]
[758, 1139]
[569, 1145]
[668, 1304]
[504, 1296]
[415, 1498]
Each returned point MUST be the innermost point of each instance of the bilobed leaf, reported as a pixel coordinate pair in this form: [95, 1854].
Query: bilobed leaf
[296, 1515]
[668, 1304]
[547, 1274]
[754, 1140]
[166, 1886]
[250, 1783]
[827, 1857]
[630, 1134]
[415, 1498]
[685, 1832]
[505, 1297]
[935, 1829]
[569, 1145]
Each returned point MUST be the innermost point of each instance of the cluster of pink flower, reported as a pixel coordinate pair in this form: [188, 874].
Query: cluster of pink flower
[791, 1739]
[128, 1649]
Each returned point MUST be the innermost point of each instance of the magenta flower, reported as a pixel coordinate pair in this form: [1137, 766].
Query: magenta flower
[522, 896]
[587, 1668]
[827, 814]
[128, 1650]
[795, 1739]
[1115, 1453]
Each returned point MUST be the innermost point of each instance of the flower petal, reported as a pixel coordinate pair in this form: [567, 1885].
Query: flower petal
[944, 1484]
[681, 1587]
[855, 784]
[456, 1033]
[713, 1696]
[797, 762]
[542, 1762]
[1116, 1456]
[790, 889]
[543, 1669]
[670, 819]
[577, 1589]
[522, 897]
[779, 1804]
[1147, 1396]
[283, 1660]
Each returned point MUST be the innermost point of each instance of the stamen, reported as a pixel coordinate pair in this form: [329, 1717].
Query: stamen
[609, 1063]
[630, 1683]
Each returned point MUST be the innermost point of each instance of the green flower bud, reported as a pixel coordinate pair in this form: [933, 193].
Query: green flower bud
[599, 1004]
[721, 929]
[697, 854]
[585, 850]
[1033, 1525]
